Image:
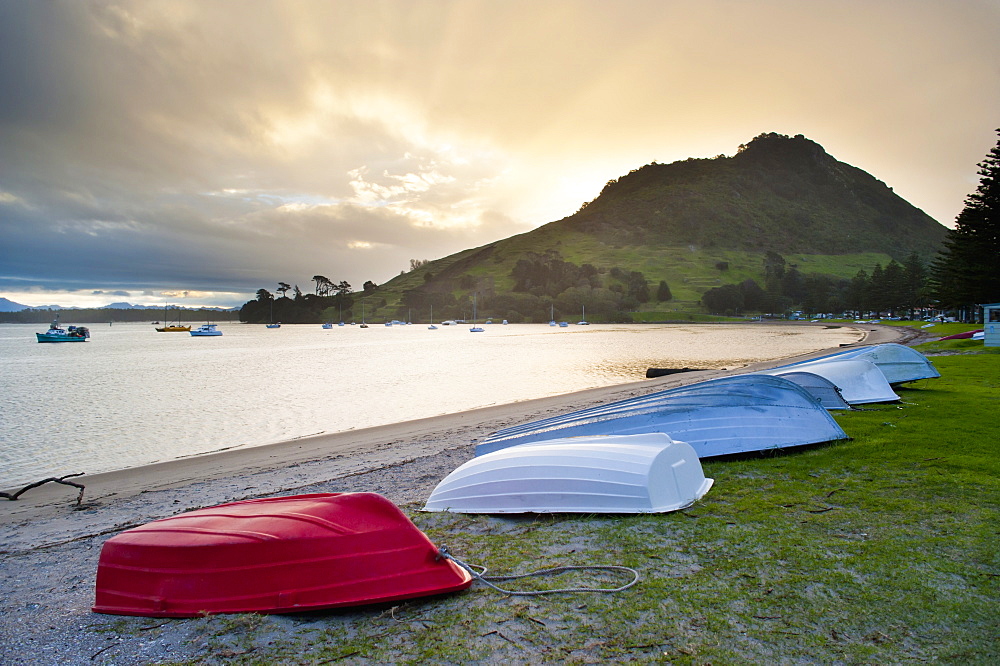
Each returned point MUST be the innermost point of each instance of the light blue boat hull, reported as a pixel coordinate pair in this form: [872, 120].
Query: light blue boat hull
[59, 338]
[718, 417]
[898, 363]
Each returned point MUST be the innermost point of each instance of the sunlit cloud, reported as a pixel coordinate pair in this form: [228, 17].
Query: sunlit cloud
[217, 147]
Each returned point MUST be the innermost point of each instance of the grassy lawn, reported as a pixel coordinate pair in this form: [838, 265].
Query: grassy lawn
[881, 549]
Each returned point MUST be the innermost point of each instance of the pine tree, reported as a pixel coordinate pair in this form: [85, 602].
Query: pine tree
[663, 292]
[965, 273]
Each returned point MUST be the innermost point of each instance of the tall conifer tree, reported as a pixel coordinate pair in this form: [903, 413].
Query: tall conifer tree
[967, 271]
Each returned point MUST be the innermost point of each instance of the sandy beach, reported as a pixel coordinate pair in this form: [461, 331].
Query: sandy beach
[49, 547]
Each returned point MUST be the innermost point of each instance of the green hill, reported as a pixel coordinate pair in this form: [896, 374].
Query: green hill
[694, 224]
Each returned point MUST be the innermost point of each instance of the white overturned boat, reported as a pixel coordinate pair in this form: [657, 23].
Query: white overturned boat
[898, 363]
[857, 380]
[646, 473]
[717, 417]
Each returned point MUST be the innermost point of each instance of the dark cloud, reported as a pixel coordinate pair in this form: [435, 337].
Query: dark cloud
[220, 146]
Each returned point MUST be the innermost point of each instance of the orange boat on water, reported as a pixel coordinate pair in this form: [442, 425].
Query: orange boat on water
[274, 555]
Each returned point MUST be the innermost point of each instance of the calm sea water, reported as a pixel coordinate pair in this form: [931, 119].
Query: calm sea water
[131, 396]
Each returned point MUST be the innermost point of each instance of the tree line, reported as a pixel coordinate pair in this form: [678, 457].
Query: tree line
[330, 301]
[894, 289]
[544, 286]
[965, 274]
[961, 278]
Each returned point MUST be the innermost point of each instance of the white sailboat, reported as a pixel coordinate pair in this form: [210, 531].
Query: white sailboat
[583, 317]
[432, 327]
[475, 328]
[272, 323]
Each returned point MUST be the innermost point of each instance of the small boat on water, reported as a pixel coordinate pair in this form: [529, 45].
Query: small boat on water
[475, 328]
[646, 473]
[57, 333]
[273, 555]
[858, 381]
[717, 417]
[898, 363]
[171, 328]
[206, 330]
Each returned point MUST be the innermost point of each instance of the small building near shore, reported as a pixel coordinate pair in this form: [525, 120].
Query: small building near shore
[991, 325]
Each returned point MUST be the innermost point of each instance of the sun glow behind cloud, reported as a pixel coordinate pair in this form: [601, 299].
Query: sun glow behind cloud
[241, 143]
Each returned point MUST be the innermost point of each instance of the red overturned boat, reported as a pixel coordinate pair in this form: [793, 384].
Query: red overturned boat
[962, 336]
[274, 555]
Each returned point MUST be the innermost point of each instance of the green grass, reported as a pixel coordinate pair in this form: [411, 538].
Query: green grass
[879, 549]
[689, 270]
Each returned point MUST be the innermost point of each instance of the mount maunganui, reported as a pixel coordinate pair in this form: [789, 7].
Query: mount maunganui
[777, 193]
[682, 222]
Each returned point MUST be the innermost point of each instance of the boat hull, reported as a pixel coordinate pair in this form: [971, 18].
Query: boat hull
[825, 391]
[42, 337]
[717, 417]
[646, 473]
[898, 363]
[275, 555]
[206, 330]
[859, 381]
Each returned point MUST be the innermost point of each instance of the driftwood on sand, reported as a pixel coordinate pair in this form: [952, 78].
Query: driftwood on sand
[52, 479]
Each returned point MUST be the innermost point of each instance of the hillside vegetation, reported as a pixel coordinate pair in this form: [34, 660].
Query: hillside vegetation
[689, 226]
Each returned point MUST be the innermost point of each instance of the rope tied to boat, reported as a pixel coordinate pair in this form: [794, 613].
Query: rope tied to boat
[480, 576]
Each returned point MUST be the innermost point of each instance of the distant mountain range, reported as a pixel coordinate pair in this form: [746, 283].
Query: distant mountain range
[7, 305]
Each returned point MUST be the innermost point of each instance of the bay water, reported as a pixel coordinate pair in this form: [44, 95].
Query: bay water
[132, 396]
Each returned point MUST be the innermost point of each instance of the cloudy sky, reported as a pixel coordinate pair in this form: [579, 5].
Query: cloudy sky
[196, 151]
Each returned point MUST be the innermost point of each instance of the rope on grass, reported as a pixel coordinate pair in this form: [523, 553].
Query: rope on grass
[480, 576]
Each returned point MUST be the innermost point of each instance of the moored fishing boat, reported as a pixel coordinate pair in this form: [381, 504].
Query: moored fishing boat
[57, 333]
[645, 473]
[206, 330]
[274, 555]
[717, 417]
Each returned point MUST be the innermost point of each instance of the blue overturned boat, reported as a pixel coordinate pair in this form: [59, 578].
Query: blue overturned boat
[898, 363]
[820, 387]
[739, 414]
